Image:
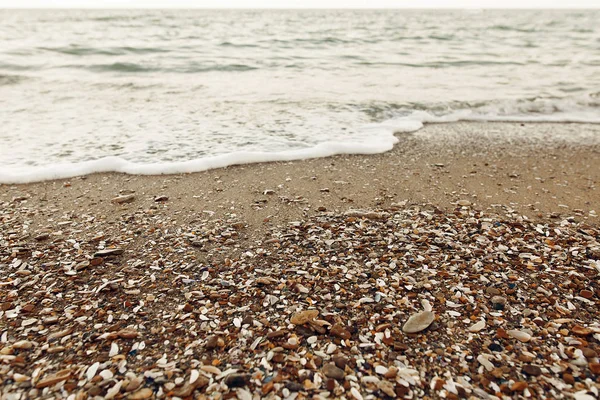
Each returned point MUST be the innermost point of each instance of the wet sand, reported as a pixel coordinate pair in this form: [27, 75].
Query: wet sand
[471, 269]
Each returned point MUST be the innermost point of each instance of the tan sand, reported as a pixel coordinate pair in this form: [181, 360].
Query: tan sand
[534, 169]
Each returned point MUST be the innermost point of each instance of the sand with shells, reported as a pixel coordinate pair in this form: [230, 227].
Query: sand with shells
[459, 265]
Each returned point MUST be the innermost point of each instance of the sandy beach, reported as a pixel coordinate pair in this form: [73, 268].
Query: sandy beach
[464, 263]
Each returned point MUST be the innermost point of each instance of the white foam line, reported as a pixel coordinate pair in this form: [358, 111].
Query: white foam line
[382, 142]
[375, 138]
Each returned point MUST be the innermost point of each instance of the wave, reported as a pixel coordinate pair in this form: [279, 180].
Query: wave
[11, 79]
[373, 138]
[141, 68]
[110, 51]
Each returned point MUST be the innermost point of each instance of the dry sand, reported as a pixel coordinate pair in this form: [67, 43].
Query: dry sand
[471, 271]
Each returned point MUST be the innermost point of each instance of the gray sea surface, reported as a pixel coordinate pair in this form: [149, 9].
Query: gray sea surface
[165, 87]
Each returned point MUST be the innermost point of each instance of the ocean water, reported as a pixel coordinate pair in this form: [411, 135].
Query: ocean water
[148, 92]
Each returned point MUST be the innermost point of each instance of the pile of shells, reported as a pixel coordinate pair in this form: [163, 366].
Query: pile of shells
[398, 303]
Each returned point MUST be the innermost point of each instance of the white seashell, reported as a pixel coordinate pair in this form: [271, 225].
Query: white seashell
[381, 370]
[356, 394]
[113, 391]
[194, 375]
[114, 349]
[418, 322]
[312, 340]
[485, 362]
[106, 374]
[519, 335]
[477, 326]
[91, 371]
[211, 370]
[243, 394]
[331, 348]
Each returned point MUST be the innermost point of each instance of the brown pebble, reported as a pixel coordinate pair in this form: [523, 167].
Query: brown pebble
[332, 371]
[330, 384]
[532, 370]
[580, 330]
[339, 331]
[492, 291]
[142, 394]
[589, 353]
[51, 380]
[518, 386]
[595, 368]
[588, 294]
[340, 361]
[95, 390]
[568, 378]
[212, 342]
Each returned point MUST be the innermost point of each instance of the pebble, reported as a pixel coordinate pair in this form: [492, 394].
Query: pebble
[339, 331]
[304, 317]
[53, 379]
[237, 380]
[123, 199]
[418, 322]
[387, 388]
[333, 372]
[142, 394]
[498, 302]
[23, 345]
[532, 370]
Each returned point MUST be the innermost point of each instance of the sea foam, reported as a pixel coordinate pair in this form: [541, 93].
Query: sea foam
[373, 139]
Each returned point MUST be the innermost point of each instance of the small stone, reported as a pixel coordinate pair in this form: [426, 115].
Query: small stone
[464, 203]
[142, 394]
[127, 333]
[161, 198]
[23, 345]
[588, 294]
[304, 317]
[387, 388]
[589, 353]
[294, 386]
[331, 371]
[237, 380]
[532, 370]
[498, 302]
[595, 368]
[134, 384]
[492, 291]
[418, 322]
[212, 342]
[519, 335]
[108, 252]
[51, 380]
[42, 236]
[495, 347]
[340, 361]
[339, 331]
[581, 331]
[518, 386]
[128, 198]
[568, 378]
[188, 388]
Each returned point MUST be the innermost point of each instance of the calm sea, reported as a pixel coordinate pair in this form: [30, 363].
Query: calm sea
[173, 91]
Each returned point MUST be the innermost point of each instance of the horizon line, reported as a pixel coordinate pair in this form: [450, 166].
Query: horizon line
[300, 8]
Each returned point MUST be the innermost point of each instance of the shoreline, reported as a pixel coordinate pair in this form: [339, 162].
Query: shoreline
[456, 265]
[538, 170]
